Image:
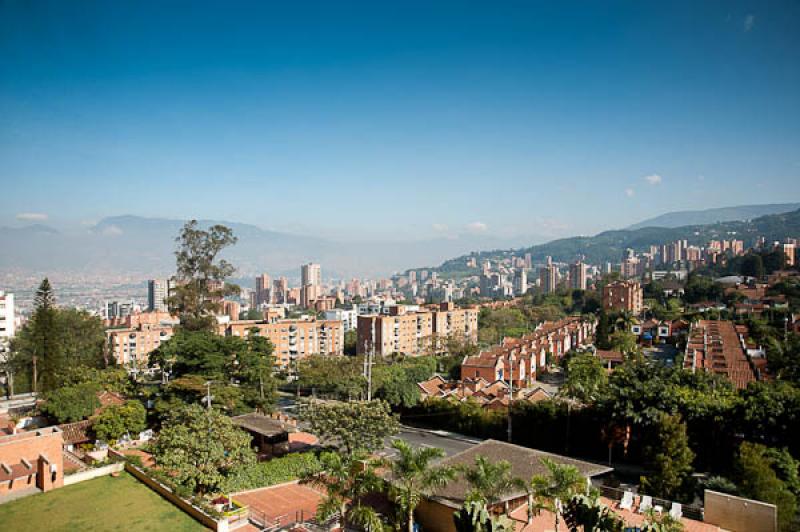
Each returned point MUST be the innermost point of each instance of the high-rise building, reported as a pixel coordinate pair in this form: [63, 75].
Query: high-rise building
[789, 254]
[578, 276]
[263, 293]
[158, 291]
[280, 291]
[623, 296]
[310, 284]
[521, 282]
[548, 277]
[7, 323]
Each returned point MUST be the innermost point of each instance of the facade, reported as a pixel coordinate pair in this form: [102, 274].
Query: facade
[578, 276]
[521, 282]
[158, 290]
[548, 277]
[412, 332]
[7, 322]
[263, 293]
[293, 339]
[31, 459]
[310, 284]
[349, 318]
[623, 296]
[131, 346]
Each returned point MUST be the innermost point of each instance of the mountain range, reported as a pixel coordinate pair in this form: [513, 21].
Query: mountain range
[610, 246]
[711, 216]
[144, 246]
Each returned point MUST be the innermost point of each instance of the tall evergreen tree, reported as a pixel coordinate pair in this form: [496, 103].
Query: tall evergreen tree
[44, 348]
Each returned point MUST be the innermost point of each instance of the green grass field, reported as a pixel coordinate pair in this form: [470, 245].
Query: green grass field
[106, 503]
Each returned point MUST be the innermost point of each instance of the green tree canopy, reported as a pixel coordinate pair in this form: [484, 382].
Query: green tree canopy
[117, 420]
[669, 460]
[72, 403]
[200, 448]
[353, 426]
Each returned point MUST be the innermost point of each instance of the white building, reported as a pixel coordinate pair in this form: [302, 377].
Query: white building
[7, 323]
[158, 290]
[348, 317]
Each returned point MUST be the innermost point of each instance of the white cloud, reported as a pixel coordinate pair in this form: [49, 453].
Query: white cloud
[630, 192]
[653, 179]
[112, 230]
[439, 228]
[749, 22]
[477, 227]
[32, 217]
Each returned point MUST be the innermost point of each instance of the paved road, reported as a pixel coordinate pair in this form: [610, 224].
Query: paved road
[450, 443]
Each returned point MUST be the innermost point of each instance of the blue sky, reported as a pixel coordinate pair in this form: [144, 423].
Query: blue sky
[397, 120]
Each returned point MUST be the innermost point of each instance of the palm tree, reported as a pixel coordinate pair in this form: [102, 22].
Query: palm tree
[625, 321]
[561, 483]
[346, 480]
[414, 478]
[490, 481]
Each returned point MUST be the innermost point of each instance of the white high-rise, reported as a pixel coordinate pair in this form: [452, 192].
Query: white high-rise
[158, 290]
[7, 323]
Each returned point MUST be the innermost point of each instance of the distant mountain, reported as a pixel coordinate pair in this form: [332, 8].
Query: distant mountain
[609, 246]
[710, 216]
[145, 246]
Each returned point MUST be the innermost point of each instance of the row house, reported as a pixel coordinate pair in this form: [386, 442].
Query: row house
[519, 359]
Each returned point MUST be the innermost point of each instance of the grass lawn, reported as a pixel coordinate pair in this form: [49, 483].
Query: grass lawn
[104, 503]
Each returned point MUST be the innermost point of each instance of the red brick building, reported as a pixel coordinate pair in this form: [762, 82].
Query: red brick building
[30, 460]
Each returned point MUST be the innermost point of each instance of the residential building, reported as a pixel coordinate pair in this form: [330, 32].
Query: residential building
[520, 282]
[263, 294]
[789, 254]
[623, 296]
[131, 346]
[310, 284]
[412, 332]
[548, 277]
[158, 291]
[720, 347]
[348, 317]
[293, 339]
[31, 460]
[7, 322]
[578, 278]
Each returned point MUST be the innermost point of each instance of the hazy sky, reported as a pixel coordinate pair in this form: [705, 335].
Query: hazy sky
[397, 120]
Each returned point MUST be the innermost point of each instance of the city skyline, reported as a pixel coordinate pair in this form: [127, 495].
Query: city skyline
[446, 113]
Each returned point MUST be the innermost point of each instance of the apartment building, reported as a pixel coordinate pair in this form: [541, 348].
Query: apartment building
[348, 317]
[7, 323]
[158, 291]
[310, 284]
[548, 277]
[293, 339]
[131, 346]
[412, 332]
[623, 296]
[578, 276]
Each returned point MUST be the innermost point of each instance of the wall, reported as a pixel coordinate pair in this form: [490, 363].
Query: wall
[435, 516]
[93, 473]
[739, 515]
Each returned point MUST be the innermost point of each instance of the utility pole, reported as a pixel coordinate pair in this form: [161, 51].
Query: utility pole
[208, 396]
[511, 394]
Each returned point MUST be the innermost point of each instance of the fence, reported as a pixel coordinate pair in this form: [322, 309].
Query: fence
[689, 511]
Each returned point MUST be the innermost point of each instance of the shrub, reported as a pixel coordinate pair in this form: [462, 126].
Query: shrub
[275, 471]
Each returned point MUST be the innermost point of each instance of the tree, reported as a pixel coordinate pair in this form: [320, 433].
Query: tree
[117, 420]
[752, 265]
[490, 481]
[200, 286]
[413, 476]
[625, 321]
[586, 377]
[346, 480]
[670, 459]
[474, 517]
[255, 365]
[353, 426]
[332, 376]
[602, 332]
[758, 480]
[587, 513]
[55, 341]
[200, 448]
[624, 342]
[560, 484]
[72, 403]
[350, 341]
